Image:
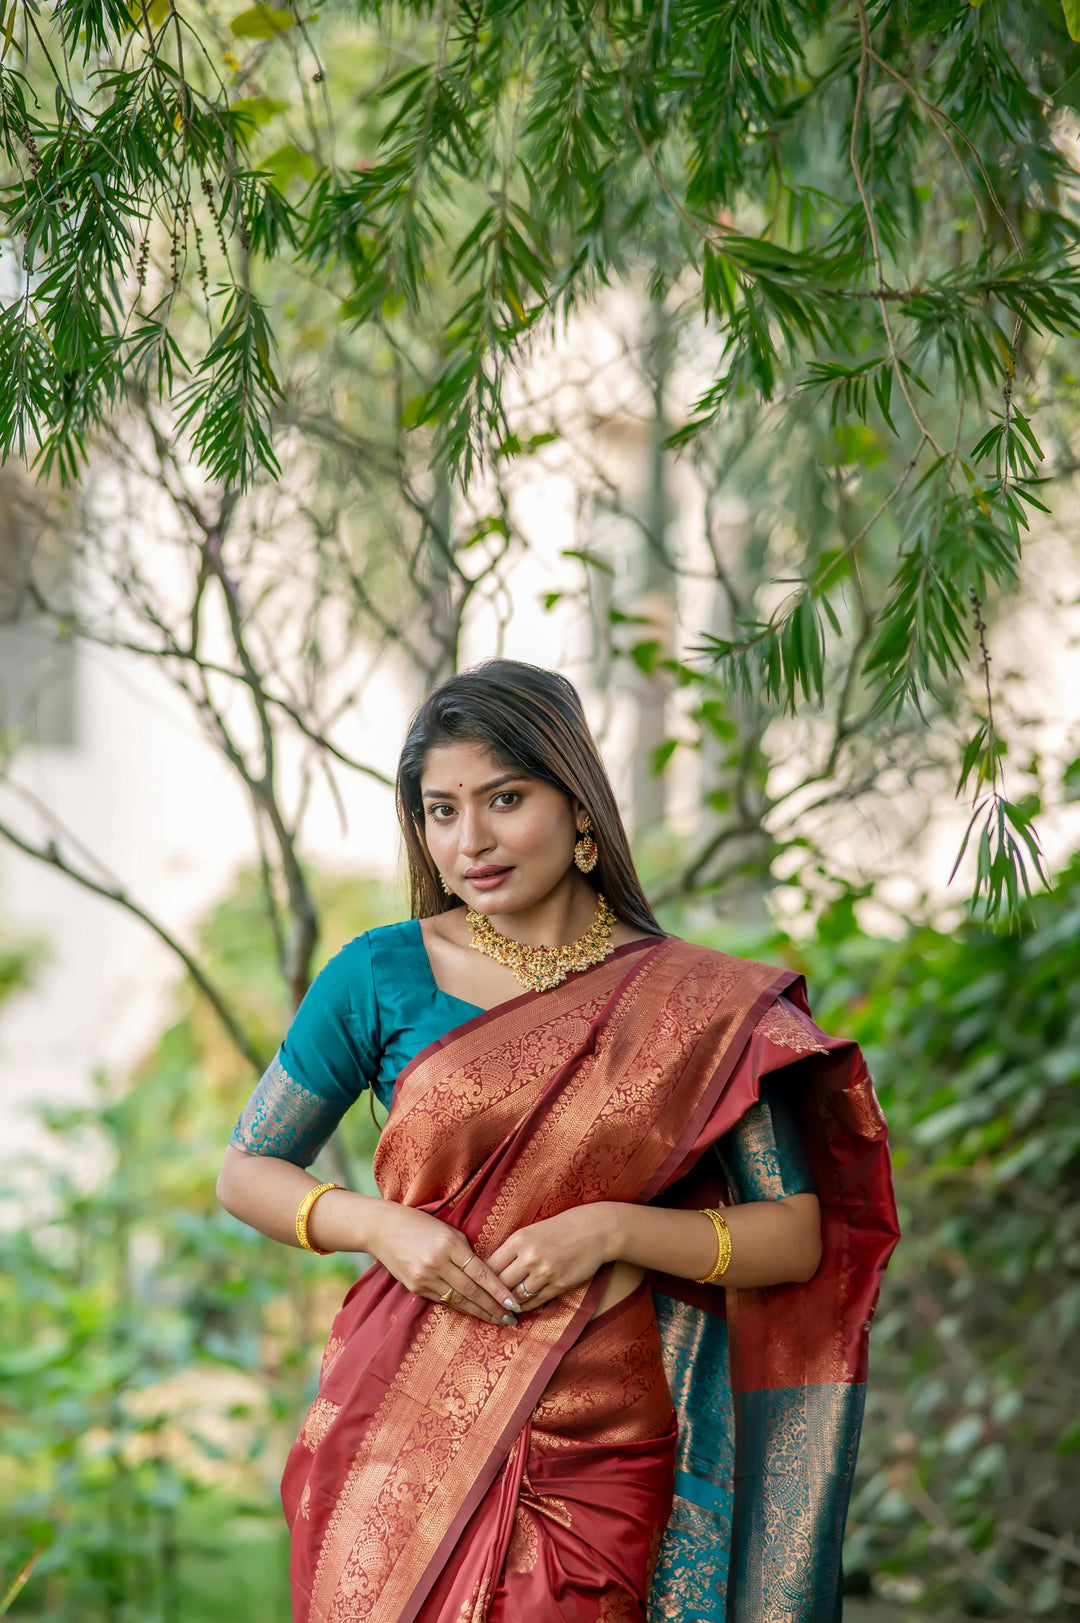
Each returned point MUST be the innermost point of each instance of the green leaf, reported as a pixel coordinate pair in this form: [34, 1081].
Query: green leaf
[284, 164]
[662, 754]
[1071, 780]
[261, 22]
[1068, 92]
[594, 559]
[715, 716]
[645, 655]
[257, 110]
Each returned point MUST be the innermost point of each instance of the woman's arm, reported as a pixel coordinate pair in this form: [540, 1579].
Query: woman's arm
[773, 1242]
[426, 1255]
[265, 1192]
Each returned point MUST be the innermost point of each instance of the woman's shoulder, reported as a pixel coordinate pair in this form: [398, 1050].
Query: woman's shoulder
[363, 947]
[346, 991]
[396, 955]
[384, 957]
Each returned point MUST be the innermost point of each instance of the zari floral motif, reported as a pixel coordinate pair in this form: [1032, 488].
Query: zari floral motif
[423, 1147]
[331, 1353]
[607, 1130]
[787, 1028]
[616, 1606]
[320, 1418]
[654, 1550]
[474, 1610]
[858, 1108]
[524, 1544]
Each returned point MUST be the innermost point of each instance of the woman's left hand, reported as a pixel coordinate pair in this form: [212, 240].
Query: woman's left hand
[547, 1259]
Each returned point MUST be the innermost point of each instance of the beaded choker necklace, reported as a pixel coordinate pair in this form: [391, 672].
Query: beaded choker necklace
[540, 968]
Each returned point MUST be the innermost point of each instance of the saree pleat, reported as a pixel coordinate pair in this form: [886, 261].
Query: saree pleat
[583, 1494]
[701, 1449]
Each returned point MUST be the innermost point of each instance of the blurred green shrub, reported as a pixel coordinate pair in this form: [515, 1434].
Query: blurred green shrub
[969, 1490]
[155, 1355]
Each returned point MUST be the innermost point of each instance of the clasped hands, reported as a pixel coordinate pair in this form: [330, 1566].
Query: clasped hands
[531, 1267]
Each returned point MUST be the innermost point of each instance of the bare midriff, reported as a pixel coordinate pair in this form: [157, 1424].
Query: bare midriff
[625, 1277]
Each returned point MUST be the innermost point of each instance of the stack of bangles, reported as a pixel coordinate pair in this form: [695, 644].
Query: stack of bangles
[723, 1245]
[303, 1212]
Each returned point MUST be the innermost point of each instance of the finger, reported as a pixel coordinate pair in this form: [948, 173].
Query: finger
[470, 1276]
[461, 1304]
[489, 1280]
[524, 1283]
[501, 1258]
[515, 1275]
[540, 1297]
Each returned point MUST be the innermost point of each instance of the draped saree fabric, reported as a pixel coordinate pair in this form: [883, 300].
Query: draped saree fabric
[452, 1470]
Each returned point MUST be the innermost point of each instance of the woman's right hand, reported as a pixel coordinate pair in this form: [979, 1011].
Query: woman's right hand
[428, 1257]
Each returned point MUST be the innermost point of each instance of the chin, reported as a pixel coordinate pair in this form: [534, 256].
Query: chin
[507, 899]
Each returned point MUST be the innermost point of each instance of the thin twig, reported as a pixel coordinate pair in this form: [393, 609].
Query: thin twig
[51, 855]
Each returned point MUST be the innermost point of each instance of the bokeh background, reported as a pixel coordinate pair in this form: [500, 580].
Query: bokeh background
[205, 681]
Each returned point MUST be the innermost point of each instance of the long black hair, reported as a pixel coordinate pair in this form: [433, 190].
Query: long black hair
[531, 721]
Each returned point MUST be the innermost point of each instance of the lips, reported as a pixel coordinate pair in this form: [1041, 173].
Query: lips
[487, 878]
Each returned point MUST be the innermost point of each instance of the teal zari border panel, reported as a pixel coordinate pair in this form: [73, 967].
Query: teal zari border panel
[770, 1526]
[690, 1581]
[796, 1458]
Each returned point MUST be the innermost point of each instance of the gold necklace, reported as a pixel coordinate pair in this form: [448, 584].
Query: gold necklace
[540, 968]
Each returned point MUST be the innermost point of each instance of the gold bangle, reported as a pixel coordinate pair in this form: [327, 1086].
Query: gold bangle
[723, 1245]
[303, 1212]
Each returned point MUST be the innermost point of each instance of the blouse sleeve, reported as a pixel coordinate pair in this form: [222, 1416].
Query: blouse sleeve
[329, 1055]
[763, 1156]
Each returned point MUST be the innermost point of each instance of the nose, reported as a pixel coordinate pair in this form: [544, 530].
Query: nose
[475, 838]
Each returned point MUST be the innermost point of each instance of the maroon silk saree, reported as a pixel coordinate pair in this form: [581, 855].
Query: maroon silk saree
[689, 1450]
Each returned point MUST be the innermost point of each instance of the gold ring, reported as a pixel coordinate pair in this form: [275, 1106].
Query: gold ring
[446, 1297]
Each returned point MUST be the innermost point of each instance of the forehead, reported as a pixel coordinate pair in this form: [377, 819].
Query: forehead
[449, 765]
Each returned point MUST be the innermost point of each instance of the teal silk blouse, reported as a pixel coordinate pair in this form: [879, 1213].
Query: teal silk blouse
[375, 1005]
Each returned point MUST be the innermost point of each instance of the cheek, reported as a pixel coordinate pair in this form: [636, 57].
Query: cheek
[535, 836]
[438, 837]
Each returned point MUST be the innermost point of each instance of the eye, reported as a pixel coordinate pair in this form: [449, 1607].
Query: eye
[511, 795]
[439, 806]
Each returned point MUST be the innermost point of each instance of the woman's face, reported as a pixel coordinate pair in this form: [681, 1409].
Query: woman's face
[501, 840]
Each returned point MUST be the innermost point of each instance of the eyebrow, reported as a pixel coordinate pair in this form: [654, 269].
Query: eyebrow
[447, 794]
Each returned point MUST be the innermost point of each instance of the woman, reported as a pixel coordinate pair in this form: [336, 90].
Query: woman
[634, 1207]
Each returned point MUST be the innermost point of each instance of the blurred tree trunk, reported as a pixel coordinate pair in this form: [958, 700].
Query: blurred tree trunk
[656, 598]
[440, 638]
[734, 767]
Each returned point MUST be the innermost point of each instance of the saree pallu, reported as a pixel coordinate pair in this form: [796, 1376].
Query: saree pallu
[437, 1456]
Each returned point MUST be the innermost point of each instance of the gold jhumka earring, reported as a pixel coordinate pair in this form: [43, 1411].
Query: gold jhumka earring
[585, 851]
[445, 886]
